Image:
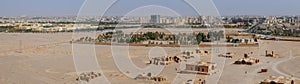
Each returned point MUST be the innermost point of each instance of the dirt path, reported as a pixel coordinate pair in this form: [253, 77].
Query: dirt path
[275, 67]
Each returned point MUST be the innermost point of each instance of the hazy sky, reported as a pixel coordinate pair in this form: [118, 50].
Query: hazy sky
[225, 7]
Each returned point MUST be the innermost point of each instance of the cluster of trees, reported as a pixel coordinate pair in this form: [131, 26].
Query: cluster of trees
[211, 36]
[4, 28]
[216, 35]
[120, 37]
[148, 36]
[7, 26]
[137, 38]
[201, 37]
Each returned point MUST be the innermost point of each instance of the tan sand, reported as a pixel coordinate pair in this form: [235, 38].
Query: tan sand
[47, 58]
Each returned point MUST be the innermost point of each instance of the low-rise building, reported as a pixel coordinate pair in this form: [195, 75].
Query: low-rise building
[206, 68]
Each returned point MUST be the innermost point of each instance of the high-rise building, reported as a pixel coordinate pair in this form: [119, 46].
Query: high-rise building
[155, 19]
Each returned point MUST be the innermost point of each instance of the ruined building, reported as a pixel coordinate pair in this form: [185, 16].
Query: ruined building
[201, 68]
[247, 60]
[278, 80]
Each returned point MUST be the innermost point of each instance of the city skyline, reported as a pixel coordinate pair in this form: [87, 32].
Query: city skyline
[122, 7]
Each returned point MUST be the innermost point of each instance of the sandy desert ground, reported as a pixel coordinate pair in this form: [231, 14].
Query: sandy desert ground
[47, 58]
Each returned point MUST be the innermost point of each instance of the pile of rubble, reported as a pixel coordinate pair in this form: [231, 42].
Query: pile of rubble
[149, 77]
[87, 76]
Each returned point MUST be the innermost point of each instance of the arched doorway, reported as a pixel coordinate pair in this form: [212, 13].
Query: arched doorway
[272, 82]
[243, 62]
